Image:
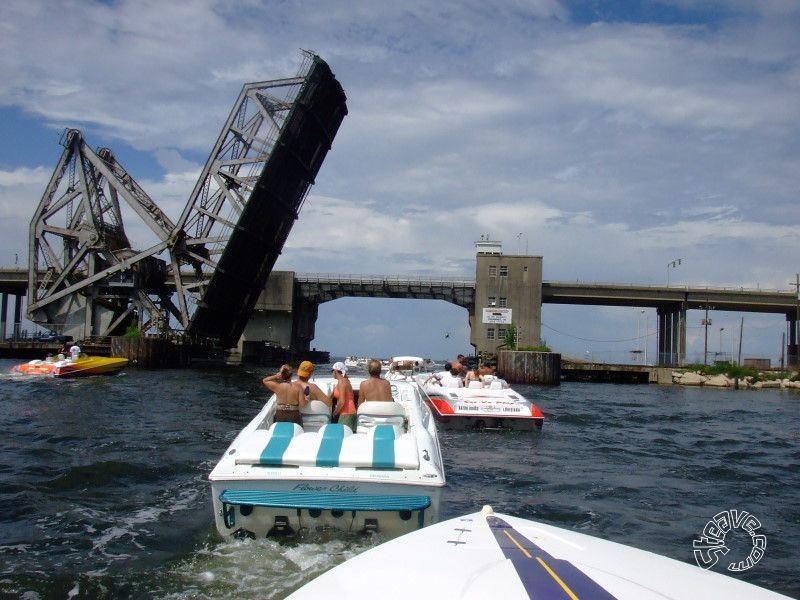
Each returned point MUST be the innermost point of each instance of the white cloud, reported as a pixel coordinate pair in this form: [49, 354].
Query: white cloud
[20, 192]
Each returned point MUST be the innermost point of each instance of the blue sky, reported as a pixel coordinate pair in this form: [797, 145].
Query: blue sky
[608, 137]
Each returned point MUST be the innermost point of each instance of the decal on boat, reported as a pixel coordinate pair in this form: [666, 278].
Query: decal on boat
[541, 572]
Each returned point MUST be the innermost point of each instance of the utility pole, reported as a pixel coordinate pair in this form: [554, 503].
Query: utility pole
[741, 331]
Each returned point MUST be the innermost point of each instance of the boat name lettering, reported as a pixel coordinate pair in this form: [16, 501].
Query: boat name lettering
[338, 488]
[347, 489]
[487, 409]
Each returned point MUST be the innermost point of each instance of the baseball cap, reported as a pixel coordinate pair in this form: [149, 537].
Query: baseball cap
[339, 366]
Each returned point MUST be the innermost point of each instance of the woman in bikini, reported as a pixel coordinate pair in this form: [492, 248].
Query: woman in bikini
[290, 396]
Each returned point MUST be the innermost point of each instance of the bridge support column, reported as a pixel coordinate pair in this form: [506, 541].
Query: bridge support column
[3, 313]
[304, 324]
[17, 316]
[671, 334]
[792, 351]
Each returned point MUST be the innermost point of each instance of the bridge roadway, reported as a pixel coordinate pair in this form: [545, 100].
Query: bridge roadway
[319, 288]
[461, 291]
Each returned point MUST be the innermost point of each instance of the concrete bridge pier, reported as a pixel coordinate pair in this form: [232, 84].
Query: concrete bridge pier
[3, 312]
[15, 334]
[671, 334]
[792, 353]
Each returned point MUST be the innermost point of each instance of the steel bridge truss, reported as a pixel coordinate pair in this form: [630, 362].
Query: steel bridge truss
[86, 279]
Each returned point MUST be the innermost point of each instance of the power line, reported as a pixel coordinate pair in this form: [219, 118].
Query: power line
[575, 337]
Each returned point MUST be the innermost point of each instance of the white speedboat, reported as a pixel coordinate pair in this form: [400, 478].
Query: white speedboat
[408, 368]
[355, 362]
[387, 476]
[488, 555]
[487, 404]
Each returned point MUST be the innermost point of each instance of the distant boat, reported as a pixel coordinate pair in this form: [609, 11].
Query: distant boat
[487, 404]
[354, 362]
[83, 366]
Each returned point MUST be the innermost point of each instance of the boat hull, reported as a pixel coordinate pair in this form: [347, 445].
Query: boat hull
[486, 422]
[288, 507]
[34, 367]
[479, 409]
[88, 366]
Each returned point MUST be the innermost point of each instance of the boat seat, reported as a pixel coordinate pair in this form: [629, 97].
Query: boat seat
[372, 413]
[267, 446]
[496, 384]
[475, 385]
[315, 414]
[335, 445]
[316, 448]
[383, 446]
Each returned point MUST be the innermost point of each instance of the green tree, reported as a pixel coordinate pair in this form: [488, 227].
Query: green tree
[510, 341]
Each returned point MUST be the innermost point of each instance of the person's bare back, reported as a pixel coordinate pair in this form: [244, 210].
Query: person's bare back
[375, 389]
[311, 391]
[287, 392]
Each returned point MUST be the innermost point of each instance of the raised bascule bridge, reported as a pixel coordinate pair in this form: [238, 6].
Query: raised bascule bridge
[202, 274]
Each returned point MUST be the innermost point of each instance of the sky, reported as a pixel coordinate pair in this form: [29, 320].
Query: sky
[610, 138]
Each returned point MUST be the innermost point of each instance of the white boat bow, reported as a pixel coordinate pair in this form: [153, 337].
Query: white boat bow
[487, 555]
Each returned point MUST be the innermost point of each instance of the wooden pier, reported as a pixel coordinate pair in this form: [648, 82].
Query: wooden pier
[572, 370]
[549, 368]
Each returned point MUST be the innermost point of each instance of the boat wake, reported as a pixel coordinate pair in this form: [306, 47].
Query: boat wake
[264, 568]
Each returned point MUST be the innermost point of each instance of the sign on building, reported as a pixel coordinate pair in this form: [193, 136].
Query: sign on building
[500, 316]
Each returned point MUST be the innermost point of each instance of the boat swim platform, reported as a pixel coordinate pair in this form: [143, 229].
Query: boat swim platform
[315, 502]
[325, 500]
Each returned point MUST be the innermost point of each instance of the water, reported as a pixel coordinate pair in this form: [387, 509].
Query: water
[104, 494]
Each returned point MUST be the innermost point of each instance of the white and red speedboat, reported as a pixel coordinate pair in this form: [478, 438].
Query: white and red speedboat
[487, 404]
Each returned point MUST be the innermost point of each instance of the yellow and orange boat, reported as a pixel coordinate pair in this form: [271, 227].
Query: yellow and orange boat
[81, 367]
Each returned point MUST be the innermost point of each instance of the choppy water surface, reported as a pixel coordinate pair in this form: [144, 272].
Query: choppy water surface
[103, 490]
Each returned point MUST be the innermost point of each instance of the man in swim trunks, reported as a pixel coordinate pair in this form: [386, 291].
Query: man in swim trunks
[375, 388]
[290, 396]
